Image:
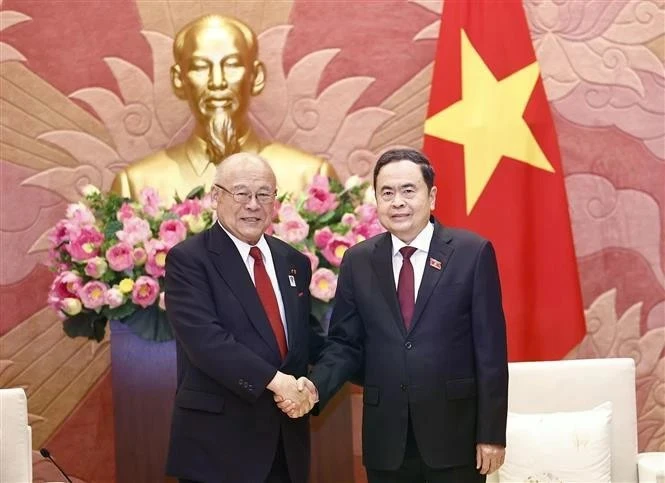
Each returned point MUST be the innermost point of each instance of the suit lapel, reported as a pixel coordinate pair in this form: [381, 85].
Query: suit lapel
[439, 251]
[283, 268]
[383, 267]
[232, 268]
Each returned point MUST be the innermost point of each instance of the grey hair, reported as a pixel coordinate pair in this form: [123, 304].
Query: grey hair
[241, 157]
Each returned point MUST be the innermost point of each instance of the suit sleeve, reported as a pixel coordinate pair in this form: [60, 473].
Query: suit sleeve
[209, 346]
[342, 354]
[491, 354]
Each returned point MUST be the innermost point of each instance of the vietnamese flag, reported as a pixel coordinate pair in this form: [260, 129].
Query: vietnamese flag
[490, 136]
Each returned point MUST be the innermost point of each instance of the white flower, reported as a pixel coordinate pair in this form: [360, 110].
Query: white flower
[90, 190]
[352, 182]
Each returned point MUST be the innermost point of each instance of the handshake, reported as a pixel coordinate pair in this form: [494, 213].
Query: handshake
[295, 397]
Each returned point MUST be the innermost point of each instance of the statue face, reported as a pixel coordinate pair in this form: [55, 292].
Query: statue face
[217, 74]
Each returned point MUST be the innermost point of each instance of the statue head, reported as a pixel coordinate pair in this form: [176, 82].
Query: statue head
[217, 71]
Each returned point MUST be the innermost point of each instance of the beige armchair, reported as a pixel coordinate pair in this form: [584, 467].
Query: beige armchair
[15, 437]
[572, 386]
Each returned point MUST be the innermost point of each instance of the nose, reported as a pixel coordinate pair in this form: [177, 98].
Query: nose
[217, 79]
[253, 203]
[398, 201]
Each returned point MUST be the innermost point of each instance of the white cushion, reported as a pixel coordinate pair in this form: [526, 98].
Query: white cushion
[15, 440]
[567, 446]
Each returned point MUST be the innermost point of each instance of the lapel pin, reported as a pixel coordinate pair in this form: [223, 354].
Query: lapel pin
[433, 262]
[292, 280]
[292, 271]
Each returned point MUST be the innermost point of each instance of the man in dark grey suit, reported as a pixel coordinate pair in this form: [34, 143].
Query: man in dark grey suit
[418, 314]
[239, 304]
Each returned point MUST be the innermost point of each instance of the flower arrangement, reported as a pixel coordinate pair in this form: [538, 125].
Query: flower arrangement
[323, 222]
[109, 253]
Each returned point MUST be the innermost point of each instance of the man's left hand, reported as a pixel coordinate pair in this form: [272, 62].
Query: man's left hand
[489, 457]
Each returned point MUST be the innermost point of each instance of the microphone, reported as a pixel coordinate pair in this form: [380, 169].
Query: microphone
[45, 453]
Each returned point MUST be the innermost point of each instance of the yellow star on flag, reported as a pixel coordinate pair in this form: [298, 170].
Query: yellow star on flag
[488, 121]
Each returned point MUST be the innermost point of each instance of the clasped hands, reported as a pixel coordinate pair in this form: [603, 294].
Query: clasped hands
[295, 397]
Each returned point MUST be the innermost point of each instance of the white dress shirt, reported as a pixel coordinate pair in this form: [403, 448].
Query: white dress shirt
[419, 258]
[262, 244]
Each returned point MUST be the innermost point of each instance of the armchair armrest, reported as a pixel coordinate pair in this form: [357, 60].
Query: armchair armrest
[651, 467]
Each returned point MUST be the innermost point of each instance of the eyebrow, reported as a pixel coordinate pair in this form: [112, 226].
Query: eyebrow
[402, 186]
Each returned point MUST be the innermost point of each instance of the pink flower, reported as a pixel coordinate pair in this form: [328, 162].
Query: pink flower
[149, 199]
[172, 232]
[366, 213]
[188, 207]
[120, 257]
[80, 214]
[313, 259]
[291, 228]
[140, 256]
[322, 237]
[335, 249]
[60, 233]
[207, 203]
[156, 258]
[363, 231]
[65, 285]
[95, 267]
[319, 198]
[349, 219]
[93, 294]
[125, 212]
[323, 285]
[114, 298]
[145, 292]
[134, 231]
[85, 244]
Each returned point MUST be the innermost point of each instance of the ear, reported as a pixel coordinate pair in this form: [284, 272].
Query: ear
[259, 78]
[177, 82]
[432, 198]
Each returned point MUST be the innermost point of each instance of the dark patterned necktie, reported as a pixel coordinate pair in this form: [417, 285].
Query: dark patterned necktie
[406, 286]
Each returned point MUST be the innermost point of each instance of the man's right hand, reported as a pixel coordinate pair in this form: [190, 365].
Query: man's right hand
[302, 402]
[291, 396]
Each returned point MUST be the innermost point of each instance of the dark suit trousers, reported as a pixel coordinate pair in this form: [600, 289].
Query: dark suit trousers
[414, 470]
[279, 472]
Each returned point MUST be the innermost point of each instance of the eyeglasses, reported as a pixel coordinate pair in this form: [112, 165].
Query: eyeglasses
[407, 192]
[244, 197]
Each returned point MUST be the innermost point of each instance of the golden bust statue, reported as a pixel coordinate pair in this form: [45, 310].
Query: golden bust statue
[216, 71]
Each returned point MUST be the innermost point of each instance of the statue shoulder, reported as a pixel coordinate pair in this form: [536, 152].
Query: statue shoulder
[278, 154]
[148, 171]
[152, 163]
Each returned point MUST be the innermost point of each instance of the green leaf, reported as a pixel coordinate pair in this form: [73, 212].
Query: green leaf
[119, 313]
[111, 228]
[150, 324]
[86, 324]
[325, 219]
[197, 192]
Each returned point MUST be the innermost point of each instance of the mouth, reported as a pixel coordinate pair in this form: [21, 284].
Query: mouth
[251, 219]
[400, 216]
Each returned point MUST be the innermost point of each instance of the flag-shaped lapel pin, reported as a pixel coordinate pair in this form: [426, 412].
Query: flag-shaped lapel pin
[433, 262]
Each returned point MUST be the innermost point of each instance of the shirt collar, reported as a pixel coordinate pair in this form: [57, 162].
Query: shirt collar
[243, 248]
[420, 243]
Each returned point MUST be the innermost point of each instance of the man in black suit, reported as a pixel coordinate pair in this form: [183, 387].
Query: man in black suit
[418, 312]
[239, 304]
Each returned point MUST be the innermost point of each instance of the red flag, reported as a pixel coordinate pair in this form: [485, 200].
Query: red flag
[491, 138]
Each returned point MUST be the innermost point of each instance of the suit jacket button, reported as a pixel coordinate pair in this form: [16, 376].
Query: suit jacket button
[408, 345]
[402, 387]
